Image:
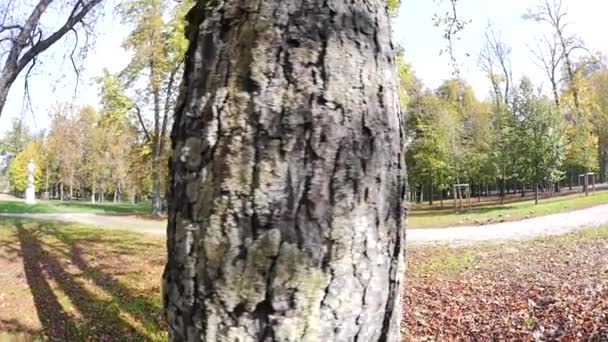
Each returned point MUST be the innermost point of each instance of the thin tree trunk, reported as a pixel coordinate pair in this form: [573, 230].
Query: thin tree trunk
[287, 176]
[536, 193]
[431, 192]
[157, 207]
[71, 185]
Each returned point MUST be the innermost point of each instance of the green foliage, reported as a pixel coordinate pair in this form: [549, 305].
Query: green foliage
[393, 7]
[14, 141]
[540, 136]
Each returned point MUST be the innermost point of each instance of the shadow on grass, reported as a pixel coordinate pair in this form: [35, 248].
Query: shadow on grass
[76, 299]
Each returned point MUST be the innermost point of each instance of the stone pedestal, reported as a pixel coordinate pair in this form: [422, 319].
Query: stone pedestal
[30, 191]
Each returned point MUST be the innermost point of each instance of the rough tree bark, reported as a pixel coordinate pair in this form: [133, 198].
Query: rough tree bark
[287, 175]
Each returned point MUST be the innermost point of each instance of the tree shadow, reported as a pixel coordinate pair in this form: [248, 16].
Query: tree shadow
[59, 277]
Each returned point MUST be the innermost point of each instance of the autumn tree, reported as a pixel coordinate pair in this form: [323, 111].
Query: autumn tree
[17, 169]
[23, 38]
[287, 175]
[64, 138]
[158, 47]
[598, 87]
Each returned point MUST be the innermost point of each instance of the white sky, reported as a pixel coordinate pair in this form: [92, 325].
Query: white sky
[54, 78]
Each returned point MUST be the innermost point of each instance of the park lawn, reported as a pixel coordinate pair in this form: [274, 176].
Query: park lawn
[74, 282]
[71, 282]
[73, 207]
[439, 218]
[550, 289]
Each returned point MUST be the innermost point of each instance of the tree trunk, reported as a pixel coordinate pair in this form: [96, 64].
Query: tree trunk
[157, 207]
[536, 193]
[603, 158]
[431, 192]
[287, 176]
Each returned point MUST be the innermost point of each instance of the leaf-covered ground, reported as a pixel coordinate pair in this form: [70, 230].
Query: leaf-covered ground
[549, 289]
[70, 282]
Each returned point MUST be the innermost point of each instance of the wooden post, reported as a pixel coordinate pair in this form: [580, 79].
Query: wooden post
[454, 188]
[586, 185]
[460, 197]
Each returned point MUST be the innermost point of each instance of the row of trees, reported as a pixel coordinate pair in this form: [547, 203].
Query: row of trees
[119, 149]
[86, 153]
[518, 138]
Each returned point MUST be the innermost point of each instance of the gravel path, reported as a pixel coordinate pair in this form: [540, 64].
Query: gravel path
[105, 221]
[518, 230]
[554, 224]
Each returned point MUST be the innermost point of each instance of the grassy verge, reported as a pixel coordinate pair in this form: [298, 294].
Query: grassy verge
[71, 282]
[53, 207]
[554, 288]
[501, 213]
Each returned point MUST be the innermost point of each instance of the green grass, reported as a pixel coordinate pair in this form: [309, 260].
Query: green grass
[72, 207]
[73, 282]
[438, 218]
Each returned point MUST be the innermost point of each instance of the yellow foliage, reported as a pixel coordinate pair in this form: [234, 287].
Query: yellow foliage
[17, 171]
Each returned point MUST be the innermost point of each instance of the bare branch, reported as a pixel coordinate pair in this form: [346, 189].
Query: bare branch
[10, 28]
[496, 53]
[25, 47]
[141, 122]
[168, 103]
[73, 62]
[75, 17]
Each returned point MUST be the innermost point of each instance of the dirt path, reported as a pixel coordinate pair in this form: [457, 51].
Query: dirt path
[554, 224]
[105, 221]
[518, 230]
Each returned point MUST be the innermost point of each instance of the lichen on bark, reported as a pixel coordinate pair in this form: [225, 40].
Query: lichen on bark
[287, 176]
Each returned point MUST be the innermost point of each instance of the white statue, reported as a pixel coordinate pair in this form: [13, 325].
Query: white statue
[30, 191]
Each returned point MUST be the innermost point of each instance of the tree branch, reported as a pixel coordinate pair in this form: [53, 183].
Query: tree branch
[44, 44]
[141, 122]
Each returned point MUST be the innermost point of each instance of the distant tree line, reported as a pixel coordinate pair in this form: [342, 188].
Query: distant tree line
[517, 140]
